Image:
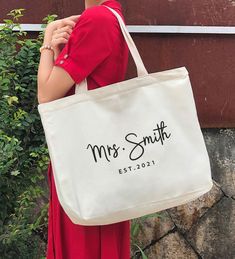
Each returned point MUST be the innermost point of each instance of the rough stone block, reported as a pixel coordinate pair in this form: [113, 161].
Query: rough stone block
[152, 229]
[186, 215]
[213, 236]
[172, 246]
[221, 148]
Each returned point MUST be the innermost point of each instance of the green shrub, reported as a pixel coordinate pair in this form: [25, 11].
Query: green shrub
[23, 151]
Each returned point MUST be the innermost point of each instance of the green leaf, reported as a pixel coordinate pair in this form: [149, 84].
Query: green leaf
[7, 21]
[135, 229]
[12, 99]
[144, 256]
[15, 173]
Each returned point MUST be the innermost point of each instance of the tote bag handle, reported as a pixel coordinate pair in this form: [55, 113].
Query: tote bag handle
[141, 70]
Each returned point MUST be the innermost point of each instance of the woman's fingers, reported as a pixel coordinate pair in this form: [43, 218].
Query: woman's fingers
[60, 23]
[64, 34]
[66, 29]
[61, 36]
[57, 42]
[65, 22]
[68, 21]
[74, 17]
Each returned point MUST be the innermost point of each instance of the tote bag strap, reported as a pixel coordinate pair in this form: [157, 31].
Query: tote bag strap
[141, 70]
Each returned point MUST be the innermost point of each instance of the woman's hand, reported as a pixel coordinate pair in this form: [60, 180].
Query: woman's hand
[71, 21]
[60, 31]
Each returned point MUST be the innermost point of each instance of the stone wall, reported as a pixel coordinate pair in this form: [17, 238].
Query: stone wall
[204, 228]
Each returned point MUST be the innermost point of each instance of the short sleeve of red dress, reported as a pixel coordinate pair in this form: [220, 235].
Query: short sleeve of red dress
[88, 46]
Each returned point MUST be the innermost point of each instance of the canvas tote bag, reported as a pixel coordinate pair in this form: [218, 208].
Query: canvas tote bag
[127, 149]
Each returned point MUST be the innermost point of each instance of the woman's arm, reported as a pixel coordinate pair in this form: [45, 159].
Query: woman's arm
[54, 81]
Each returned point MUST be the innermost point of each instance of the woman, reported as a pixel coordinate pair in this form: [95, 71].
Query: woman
[90, 46]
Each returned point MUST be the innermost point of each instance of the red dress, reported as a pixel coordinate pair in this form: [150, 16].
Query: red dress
[96, 50]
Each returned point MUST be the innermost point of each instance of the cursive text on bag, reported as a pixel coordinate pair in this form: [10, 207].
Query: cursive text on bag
[159, 135]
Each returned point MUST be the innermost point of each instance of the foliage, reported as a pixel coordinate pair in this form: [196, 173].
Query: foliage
[23, 152]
